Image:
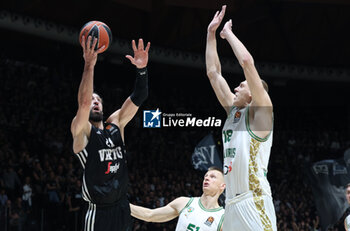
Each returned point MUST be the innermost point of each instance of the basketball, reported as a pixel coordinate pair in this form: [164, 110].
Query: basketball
[99, 30]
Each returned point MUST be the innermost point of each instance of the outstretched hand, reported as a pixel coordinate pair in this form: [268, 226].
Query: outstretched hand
[89, 52]
[215, 23]
[140, 58]
[227, 28]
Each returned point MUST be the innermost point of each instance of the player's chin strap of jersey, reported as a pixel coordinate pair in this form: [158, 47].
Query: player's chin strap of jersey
[140, 92]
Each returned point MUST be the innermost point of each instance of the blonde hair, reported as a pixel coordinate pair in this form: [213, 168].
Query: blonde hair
[217, 169]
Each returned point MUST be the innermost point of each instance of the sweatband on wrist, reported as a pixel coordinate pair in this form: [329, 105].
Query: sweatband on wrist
[140, 93]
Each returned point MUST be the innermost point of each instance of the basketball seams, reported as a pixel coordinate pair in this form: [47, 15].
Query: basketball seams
[99, 30]
[83, 30]
[109, 33]
[92, 31]
[104, 36]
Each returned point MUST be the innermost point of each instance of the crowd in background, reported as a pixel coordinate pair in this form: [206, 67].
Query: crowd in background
[40, 178]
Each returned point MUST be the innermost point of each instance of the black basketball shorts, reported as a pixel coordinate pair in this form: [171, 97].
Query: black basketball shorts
[108, 218]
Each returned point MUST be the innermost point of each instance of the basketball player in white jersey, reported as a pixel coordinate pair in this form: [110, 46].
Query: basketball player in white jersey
[195, 213]
[247, 136]
[347, 219]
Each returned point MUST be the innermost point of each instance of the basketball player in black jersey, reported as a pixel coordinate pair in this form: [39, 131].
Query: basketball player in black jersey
[100, 145]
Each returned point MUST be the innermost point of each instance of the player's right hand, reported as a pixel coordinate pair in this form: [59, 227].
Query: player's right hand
[89, 53]
[215, 23]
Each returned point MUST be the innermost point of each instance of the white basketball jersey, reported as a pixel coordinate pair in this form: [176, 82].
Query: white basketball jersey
[194, 217]
[347, 223]
[246, 156]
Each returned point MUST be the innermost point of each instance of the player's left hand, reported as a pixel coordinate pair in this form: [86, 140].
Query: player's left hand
[227, 28]
[140, 58]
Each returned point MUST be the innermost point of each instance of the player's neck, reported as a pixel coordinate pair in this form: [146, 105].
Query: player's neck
[97, 124]
[240, 104]
[209, 201]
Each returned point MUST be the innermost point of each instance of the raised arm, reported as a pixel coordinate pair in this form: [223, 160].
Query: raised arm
[261, 105]
[162, 214]
[260, 96]
[219, 84]
[80, 124]
[129, 108]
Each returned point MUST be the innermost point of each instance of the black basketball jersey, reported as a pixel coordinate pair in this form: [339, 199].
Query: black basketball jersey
[105, 178]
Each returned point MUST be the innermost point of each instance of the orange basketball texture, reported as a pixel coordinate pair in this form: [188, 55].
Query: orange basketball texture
[99, 30]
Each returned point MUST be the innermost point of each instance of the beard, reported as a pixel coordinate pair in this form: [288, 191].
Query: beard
[96, 116]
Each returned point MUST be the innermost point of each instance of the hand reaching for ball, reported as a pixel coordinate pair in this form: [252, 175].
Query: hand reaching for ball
[89, 52]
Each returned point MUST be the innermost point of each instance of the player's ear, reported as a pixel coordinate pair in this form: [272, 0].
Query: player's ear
[223, 186]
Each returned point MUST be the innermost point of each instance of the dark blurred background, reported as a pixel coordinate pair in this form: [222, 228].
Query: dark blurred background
[300, 48]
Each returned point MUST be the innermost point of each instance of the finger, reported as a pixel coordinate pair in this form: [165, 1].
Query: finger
[133, 44]
[141, 46]
[148, 46]
[229, 23]
[216, 14]
[94, 44]
[83, 42]
[223, 10]
[130, 58]
[100, 50]
[88, 42]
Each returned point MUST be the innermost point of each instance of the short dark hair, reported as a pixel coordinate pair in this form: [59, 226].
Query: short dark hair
[216, 168]
[98, 95]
